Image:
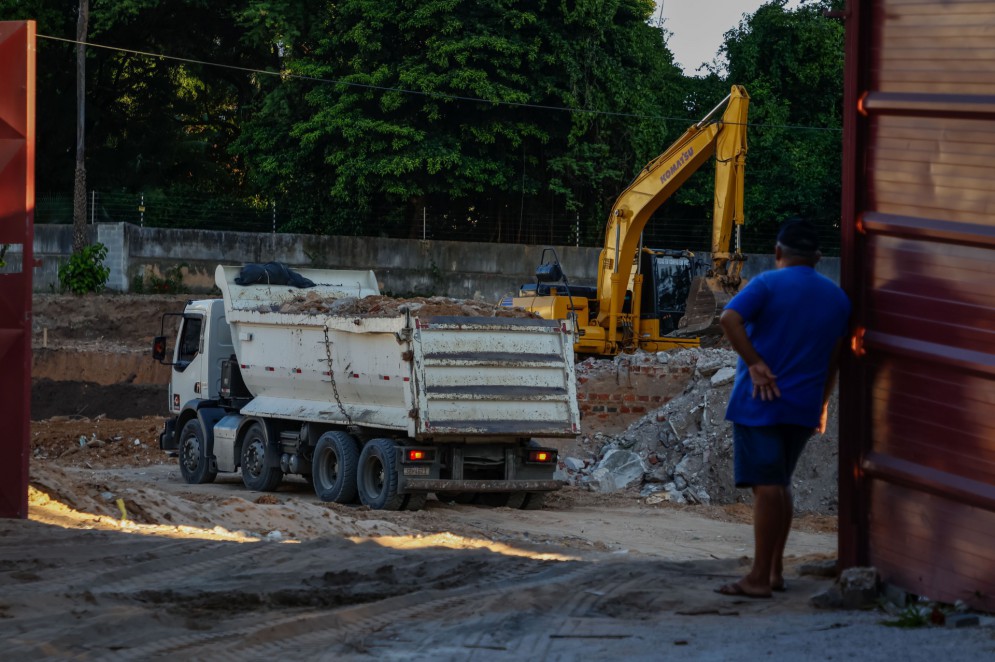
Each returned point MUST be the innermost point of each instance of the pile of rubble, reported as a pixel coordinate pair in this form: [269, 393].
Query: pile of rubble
[682, 451]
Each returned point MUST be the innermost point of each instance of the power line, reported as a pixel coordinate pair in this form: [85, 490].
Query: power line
[433, 95]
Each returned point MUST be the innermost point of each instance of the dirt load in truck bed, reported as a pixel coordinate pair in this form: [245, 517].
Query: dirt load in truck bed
[384, 306]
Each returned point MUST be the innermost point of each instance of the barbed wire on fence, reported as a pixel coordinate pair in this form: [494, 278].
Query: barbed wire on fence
[207, 212]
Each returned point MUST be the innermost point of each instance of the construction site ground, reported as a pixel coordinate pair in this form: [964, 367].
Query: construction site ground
[120, 559]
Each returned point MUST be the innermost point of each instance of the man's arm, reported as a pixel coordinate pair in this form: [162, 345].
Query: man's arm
[827, 391]
[764, 381]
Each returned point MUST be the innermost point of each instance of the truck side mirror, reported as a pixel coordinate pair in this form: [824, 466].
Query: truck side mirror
[159, 348]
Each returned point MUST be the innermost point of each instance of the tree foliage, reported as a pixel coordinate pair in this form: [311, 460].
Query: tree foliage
[501, 118]
[791, 61]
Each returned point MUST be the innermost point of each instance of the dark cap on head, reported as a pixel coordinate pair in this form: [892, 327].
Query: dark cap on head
[799, 235]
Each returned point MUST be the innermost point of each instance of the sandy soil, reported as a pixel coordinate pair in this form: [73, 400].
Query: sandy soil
[120, 559]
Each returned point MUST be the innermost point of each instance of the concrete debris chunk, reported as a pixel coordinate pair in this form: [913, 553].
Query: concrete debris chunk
[858, 587]
[618, 470]
[573, 464]
[723, 376]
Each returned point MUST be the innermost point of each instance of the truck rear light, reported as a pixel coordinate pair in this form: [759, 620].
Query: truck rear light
[542, 456]
[419, 455]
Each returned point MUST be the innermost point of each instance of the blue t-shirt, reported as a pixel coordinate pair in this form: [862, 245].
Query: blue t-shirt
[794, 317]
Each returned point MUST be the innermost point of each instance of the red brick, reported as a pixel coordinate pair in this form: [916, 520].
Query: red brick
[638, 410]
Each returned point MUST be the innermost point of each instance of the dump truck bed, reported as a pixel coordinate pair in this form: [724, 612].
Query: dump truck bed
[433, 377]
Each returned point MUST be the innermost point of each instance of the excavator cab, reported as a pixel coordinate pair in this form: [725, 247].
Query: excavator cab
[667, 278]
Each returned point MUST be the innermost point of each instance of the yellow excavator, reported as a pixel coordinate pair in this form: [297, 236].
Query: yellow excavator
[625, 312]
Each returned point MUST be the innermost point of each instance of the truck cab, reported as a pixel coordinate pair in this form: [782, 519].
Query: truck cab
[203, 343]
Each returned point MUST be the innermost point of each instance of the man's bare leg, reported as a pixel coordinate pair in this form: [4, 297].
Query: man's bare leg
[768, 526]
[777, 560]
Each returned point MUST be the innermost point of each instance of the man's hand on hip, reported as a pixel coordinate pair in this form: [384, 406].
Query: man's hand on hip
[764, 382]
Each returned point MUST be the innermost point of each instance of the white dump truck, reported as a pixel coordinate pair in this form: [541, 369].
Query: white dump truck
[384, 408]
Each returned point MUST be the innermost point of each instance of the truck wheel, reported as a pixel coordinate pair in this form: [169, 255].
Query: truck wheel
[194, 463]
[334, 467]
[257, 473]
[377, 476]
[415, 501]
[534, 501]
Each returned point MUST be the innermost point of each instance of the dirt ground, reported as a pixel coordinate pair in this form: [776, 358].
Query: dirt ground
[120, 559]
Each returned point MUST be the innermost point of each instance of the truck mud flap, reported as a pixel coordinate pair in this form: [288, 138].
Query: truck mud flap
[439, 485]
[167, 438]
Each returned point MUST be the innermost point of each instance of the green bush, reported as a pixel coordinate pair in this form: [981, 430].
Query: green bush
[85, 271]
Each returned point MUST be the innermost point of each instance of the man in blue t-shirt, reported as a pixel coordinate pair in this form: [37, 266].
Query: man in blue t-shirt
[787, 326]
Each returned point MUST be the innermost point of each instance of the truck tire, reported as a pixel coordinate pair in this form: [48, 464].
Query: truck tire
[376, 479]
[415, 501]
[333, 469]
[258, 472]
[534, 501]
[195, 466]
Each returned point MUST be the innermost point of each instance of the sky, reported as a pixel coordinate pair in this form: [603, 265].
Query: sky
[698, 26]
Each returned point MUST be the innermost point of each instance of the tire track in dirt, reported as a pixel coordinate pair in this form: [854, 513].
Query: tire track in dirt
[312, 633]
[41, 573]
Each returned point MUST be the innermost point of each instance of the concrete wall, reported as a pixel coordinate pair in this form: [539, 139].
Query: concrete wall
[403, 267]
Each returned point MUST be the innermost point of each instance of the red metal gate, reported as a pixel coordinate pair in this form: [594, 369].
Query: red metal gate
[17, 204]
[917, 414]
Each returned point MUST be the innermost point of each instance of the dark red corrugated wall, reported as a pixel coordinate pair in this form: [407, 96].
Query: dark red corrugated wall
[917, 426]
[17, 153]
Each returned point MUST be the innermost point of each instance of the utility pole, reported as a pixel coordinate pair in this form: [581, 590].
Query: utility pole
[79, 182]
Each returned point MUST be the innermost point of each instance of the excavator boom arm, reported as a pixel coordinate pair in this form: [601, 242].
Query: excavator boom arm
[726, 139]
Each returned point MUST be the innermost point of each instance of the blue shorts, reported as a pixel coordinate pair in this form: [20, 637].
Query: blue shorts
[767, 454]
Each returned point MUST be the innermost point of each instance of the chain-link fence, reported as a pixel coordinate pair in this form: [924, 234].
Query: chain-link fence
[204, 212]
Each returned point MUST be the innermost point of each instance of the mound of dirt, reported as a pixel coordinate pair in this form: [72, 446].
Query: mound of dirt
[98, 442]
[111, 320]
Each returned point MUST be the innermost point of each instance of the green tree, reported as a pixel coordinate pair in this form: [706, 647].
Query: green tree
[446, 105]
[791, 62]
[490, 115]
[150, 123]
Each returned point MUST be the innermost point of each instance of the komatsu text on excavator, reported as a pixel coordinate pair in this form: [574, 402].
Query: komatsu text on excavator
[650, 299]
